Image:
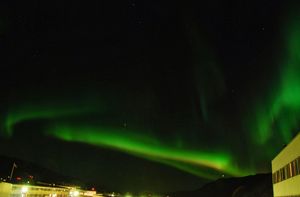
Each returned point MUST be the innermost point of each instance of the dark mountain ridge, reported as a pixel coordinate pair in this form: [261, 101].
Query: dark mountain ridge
[259, 185]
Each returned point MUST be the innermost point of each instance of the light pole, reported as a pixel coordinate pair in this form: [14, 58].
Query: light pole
[12, 171]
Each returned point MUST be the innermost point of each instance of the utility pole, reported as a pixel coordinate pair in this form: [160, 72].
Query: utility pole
[12, 170]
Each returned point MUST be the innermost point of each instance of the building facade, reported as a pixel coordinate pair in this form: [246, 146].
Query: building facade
[286, 170]
[18, 190]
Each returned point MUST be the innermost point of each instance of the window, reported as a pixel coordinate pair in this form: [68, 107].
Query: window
[290, 170]
[298, 165]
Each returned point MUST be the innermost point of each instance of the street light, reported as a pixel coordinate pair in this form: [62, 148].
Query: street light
[24, 190]
[74, 193]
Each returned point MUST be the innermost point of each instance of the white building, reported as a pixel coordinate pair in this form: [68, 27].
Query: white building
[286, 170]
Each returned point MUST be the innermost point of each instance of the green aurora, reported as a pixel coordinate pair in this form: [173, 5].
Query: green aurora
[37, 114]
[278, 115]
[275, 118]
[145, 147]
[208, 165]
[47, 110]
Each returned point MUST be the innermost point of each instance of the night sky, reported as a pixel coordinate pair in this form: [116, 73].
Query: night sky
[149, 95]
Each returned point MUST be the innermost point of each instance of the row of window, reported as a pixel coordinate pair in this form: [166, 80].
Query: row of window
[47, 189]
[18, 187]
[290, 170]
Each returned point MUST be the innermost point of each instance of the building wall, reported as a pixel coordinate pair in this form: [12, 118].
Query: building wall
[5, 189]
[16, 190]
[287, 163]
[289, 187]
[38, 191]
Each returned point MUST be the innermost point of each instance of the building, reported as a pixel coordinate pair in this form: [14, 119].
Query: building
[19, 190]
[286, 170]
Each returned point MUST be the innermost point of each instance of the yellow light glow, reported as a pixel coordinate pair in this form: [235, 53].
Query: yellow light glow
[76, 193]
[24, 189]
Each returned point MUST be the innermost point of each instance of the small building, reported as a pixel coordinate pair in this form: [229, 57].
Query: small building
[286, 170]
[19, 190]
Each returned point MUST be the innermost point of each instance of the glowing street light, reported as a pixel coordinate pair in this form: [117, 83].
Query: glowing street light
[74, 193]
[24, 190]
